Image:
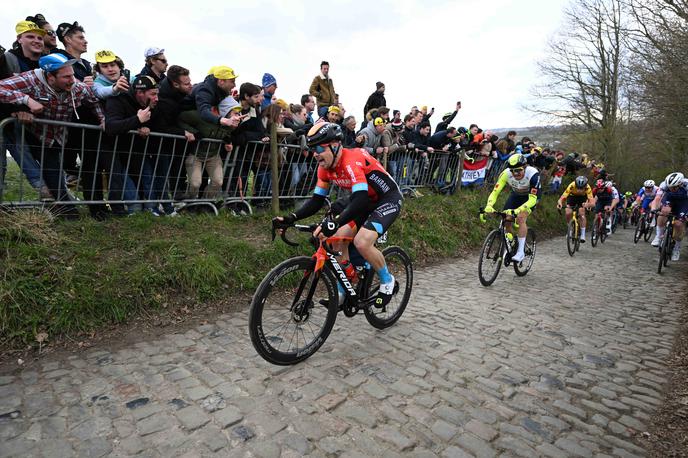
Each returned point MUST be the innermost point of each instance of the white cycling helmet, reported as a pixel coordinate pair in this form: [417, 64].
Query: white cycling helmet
[608, 184]
[674, 179]
[649, 184]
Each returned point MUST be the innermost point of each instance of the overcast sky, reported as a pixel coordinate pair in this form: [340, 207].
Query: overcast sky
[431, 52]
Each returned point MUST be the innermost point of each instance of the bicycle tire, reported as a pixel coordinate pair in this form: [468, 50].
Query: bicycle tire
[595, 232]
[578, 235]
[523, 267]
[571, 238]
[639, 230]
[662, 250]
[669, 242]
[267, 343]
[648, 228]
[399, 265]
[491, 252]
[603, 230]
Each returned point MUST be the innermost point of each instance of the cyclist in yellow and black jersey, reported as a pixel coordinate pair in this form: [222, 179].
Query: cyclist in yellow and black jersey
[578, 192]
[524, 181]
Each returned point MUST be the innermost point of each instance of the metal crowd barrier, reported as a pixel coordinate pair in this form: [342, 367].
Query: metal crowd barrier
[129, 172]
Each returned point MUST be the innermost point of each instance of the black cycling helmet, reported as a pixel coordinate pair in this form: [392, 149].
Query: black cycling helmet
[517, 160]
[326, 132]
[581, 182]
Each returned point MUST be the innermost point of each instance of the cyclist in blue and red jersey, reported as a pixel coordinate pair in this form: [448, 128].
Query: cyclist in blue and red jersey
[674, 199]
[374, 204]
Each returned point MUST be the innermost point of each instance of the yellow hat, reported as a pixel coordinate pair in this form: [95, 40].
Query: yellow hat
[334, 109]
[28, 26]
[235, 108]
[222, 72]
[105, 56]
[379, 122]
[424, 108]
[282, 103]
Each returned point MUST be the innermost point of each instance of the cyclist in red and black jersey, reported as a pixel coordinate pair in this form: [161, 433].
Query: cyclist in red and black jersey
[374, 204]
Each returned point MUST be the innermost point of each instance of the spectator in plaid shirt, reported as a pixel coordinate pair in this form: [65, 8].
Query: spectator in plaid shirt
[50, 92]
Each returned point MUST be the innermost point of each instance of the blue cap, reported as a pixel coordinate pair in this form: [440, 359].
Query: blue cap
[54, 62]
[269, 80]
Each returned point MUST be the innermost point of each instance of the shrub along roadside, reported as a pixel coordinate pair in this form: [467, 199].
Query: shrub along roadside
[63, 278]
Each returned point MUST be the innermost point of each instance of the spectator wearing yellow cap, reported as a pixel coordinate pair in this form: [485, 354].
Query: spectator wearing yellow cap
[371, 136]
[334, 114]
[110, 79]
[25, 56]
[156, 64]
[215, 88]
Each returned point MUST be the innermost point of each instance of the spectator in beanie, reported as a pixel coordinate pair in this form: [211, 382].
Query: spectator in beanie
[308, 102]
[25, 56]
[156, 64]
[376, 99]
[50, 38]
[322, 88]
[75, 43]
[269, 88]
[448, 118]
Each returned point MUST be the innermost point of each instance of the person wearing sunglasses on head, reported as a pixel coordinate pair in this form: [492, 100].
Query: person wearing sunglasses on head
[50, 38]
[156, 64]
[375, 202]
[524, 181]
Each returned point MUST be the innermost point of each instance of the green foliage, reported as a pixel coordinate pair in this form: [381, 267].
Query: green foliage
[72, 277]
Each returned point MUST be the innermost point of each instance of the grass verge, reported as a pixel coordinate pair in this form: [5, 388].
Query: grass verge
[68, 278]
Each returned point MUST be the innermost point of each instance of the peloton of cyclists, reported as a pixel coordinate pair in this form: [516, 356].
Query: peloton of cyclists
[674, 199]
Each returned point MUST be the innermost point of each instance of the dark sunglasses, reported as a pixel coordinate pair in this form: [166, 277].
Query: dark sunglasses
[50, 33]
[517, 170]
[164, 61]
[319, 149]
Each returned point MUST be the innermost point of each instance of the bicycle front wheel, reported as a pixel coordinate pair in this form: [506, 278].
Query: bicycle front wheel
[293, 311]
[523, 267]
[594, 237]
[491, 255]
[648, 228]
[639, 230]
[571, 238]
[399, 265]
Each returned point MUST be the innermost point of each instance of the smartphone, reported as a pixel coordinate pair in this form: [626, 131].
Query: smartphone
[459, 103]
[126, 74]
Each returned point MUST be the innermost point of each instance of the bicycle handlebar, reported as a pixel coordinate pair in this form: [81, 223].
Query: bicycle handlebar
[301, 228]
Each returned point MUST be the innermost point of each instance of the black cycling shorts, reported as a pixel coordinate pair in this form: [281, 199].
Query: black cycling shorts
[515, 200]
[380, 214]
[572, 201]
[601, 203]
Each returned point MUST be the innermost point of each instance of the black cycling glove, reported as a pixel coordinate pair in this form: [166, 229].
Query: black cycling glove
[328, 227]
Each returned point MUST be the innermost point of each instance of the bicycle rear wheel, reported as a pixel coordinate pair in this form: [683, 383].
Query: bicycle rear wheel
[571, 238]
[523, 267]
[399, 264]
[284, 324]
[602, 230]
[491, 255]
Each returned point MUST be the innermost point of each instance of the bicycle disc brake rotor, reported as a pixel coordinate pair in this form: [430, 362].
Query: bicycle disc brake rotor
[300, 312]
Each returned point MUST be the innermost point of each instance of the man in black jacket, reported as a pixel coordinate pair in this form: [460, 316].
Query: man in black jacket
[216, 87]
[172, 91]
[448, 118]
[376, 99]
[133, 111]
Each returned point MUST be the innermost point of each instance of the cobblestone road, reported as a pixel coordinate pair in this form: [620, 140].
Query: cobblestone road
[528, 367]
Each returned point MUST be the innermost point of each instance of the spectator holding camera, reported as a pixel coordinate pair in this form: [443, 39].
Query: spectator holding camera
[448, 118]
[110, 78]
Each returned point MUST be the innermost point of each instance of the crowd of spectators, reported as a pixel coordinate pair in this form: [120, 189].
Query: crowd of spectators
[43, 79]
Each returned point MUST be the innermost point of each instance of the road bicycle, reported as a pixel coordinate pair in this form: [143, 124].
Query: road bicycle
[666, 245]
[646, 222]
[295, 306]
[573, 231]
[498, 248]
[599, 228]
